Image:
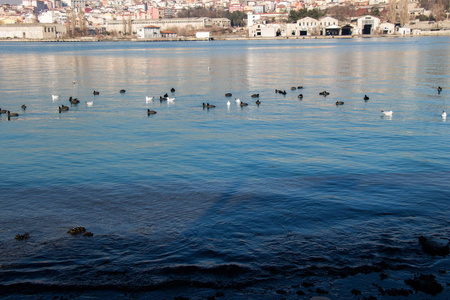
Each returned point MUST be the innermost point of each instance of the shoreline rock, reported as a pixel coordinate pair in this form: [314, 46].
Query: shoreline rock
[435, 246]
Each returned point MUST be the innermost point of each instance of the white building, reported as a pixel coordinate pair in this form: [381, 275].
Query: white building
[387, 28]
[33, 31]
[404, 31]
[149, 32]
[308, 26]
[311, 26]
[202, 35]
[329, 26]
[252, 19]
[367, 24]
[52, 16]
[327, 21]
[267, 30]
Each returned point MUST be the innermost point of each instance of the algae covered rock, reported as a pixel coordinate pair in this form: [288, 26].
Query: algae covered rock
[76, 230]
[21, 237]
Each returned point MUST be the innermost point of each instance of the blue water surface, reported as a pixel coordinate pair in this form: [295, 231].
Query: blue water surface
[248, 200]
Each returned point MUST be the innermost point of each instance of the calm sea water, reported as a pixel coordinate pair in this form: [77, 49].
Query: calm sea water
[253, 202]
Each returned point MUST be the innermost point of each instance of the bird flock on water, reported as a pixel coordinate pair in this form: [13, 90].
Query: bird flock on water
[167, 98]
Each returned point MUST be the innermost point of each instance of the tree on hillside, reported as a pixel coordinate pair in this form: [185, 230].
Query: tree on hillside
[375, 11]
[403, 12]
[197, 12]
[295, 15]
[438, 11]
[428, 4]
[237, 18]
[342, 13]
[392, 11]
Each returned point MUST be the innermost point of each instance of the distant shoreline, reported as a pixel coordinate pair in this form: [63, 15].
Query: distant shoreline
[223, 38]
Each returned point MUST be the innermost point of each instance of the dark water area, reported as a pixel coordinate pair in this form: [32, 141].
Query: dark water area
[289, 199]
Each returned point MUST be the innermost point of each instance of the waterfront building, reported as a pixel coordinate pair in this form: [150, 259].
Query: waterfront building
[307, 26]
[387, 28]
[404, 31]
[165, 24]
[32, 31]
[367, 24]
[267, 30]
[149, 32]
[168, 34]
[329, 26]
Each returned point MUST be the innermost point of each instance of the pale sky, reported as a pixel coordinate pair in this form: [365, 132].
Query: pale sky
[11, 1]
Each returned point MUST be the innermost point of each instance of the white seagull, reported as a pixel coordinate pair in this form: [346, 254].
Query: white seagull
[170, 99]
[55, 97]
[90, 103]
[387, 113]
[148, 99]
[228, 103]
[238, 101]
[444, 115]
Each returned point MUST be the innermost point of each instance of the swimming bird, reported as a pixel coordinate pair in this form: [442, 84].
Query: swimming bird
[300, 87]
[339, 103]
[162, 99]
[73, 82]
[74, 100]
[258, 102]
[3, 111]
[148, 99]
[90, 103]
[10, 114]
[293, 88]
[24, 106]
[228, 95]
[387, 113]
[366, 97]
[150, 112]
[63, 108]
[243, 104]
[439, 89]
[122, 91]
[444, 115]
[96, 93]
[172, 90]
[324, 93]
[55, 97]
[255, 96]
[207, 105]
[300, 96]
